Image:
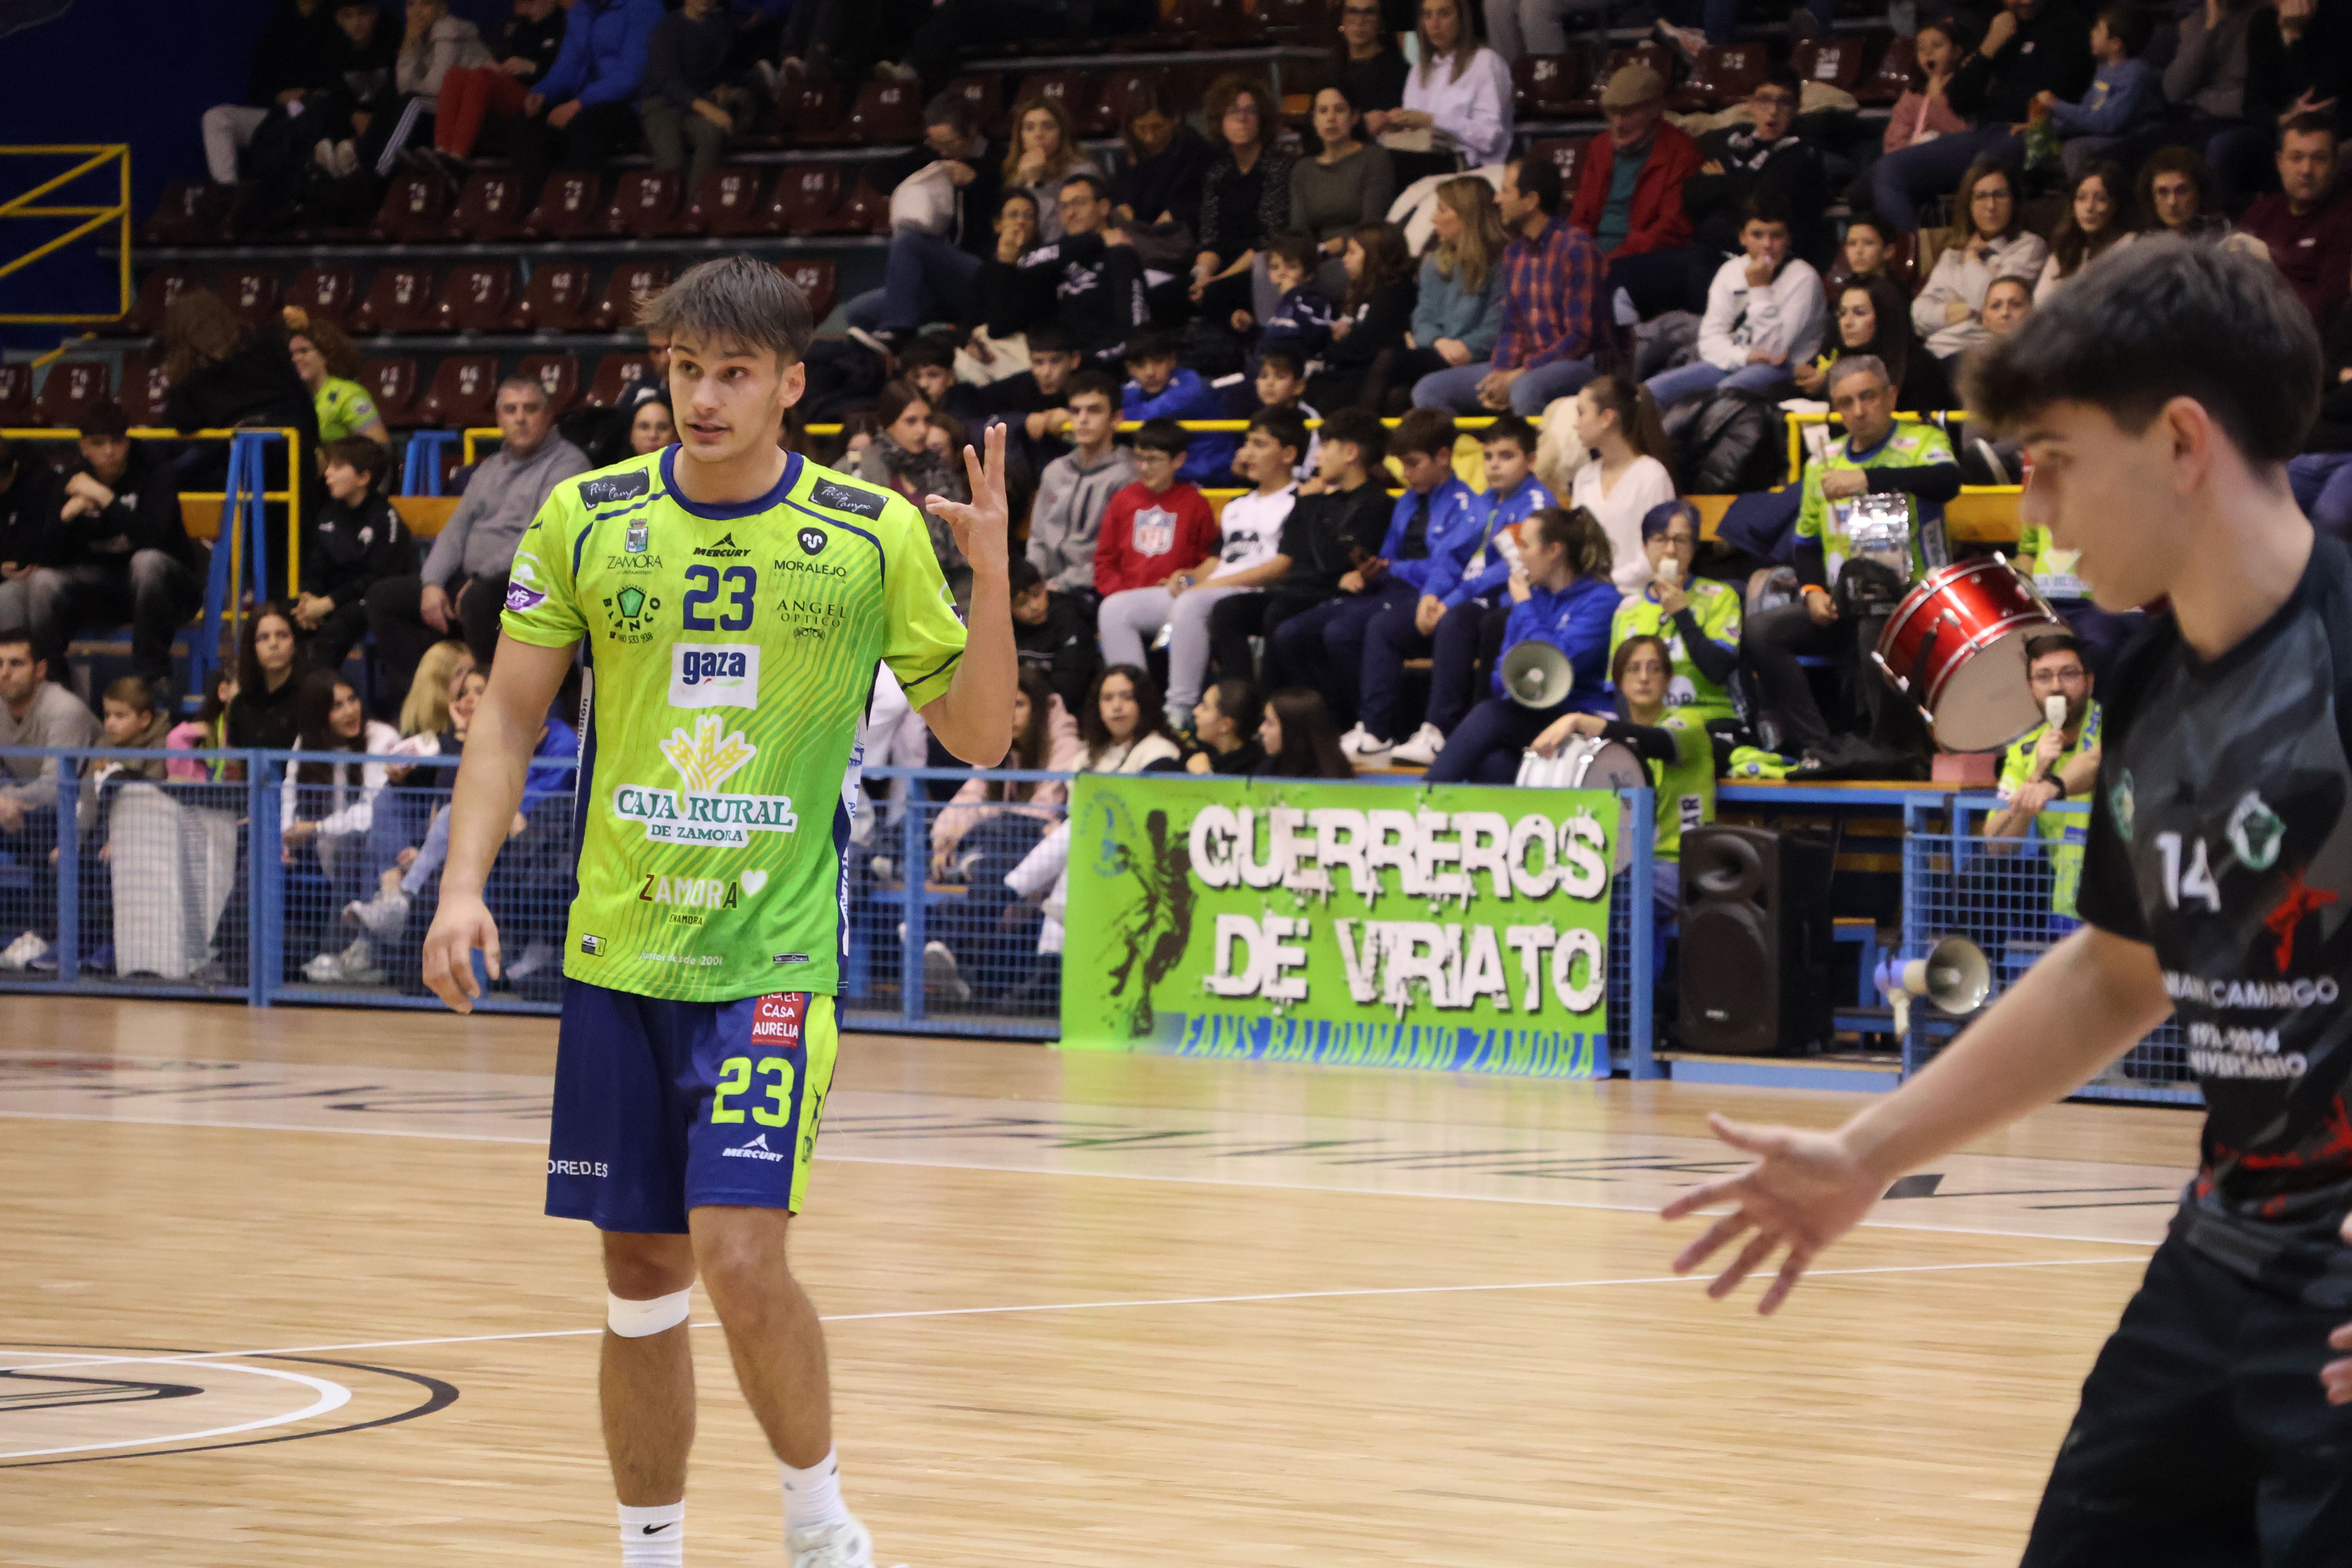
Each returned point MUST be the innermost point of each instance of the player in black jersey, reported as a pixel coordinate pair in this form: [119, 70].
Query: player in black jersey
[2160, 396]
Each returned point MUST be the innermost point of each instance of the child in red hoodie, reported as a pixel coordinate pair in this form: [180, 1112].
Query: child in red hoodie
[1155, 526]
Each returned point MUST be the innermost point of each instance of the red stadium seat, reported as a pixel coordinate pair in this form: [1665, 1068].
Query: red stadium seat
[865, 210]
[251, 292]
[1122, 90]
[464, 393]
[1648, 52]
[616, 377]
[1892, 77]
[1299, 21]
[74, 385]
[985, 93]
[490, 206]
[1213, 24]
[567, 209]
[888, 113]
[816, 280]
[728, 207]
[1834, 61]
[645, 203]
[144, 389]
[632, 282]
[806, 198]
[808, 112]
[190, 212]
[415, 211]
[475, 297]
[392, 384]
[156, 292]
[325, 293]
[15, 395]
[559, 374]
[1076, 91]
[1724, 74]
[556, 299]
[1568, 151]
[1550, 87]
[399, 300]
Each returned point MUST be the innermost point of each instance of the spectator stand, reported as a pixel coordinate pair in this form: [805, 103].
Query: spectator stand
[240, 514]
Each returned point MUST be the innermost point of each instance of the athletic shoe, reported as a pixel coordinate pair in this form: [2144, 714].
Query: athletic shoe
[1684, 41]
[849, 1545]
[350, 967]
[943, 973]
[22, 953]
[1365, 750]
[383, 915]
[1422, 749]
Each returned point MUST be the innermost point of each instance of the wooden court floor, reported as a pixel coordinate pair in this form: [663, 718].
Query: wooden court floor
[275, 1289]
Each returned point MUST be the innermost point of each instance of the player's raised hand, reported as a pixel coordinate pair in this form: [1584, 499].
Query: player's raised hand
[459, 926]
[1804, 1191]
[983, 530]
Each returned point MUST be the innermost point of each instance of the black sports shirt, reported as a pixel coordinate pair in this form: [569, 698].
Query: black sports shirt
[2219, 836]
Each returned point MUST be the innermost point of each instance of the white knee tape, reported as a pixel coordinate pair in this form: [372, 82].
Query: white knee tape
[635, 1319]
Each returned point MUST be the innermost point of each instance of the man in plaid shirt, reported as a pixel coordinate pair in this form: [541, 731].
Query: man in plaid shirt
[1552, 289]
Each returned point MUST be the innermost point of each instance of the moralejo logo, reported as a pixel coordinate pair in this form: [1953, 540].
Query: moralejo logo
[698, 813]
[812, 540]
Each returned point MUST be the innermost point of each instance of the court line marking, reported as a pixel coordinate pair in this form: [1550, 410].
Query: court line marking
[541, 1139]
[1252, 1299]
[332, 1397]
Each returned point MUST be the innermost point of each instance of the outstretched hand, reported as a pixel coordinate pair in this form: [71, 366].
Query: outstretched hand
[982, 529]
[1804, 1191]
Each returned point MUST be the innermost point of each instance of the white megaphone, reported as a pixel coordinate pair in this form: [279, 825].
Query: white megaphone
[1538, 675]
[1955, 976]
[2053, 709]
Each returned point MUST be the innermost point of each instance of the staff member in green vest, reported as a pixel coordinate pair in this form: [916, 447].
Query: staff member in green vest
[326, 361]
[1698, 617]
[1671, 743]
[2102, 632]
[2049, 765]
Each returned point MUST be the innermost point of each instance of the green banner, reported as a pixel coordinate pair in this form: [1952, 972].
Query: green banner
[1452, 926]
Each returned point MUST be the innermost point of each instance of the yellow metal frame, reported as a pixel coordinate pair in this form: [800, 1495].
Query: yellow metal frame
[95, 157]
[232, 527]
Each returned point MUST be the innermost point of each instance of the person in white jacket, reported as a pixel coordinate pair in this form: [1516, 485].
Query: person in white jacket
[332, 806]
[1984, 243]
[1460, 92]
[1765, 315]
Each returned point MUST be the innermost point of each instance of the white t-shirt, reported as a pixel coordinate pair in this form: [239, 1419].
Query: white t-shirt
[1251, 526]
[1644, 484]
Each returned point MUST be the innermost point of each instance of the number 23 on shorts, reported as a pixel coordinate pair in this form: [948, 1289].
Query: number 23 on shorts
[735, 1081]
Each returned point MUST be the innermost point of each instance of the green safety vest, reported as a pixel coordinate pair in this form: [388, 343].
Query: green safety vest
[1717, 608]
[1912, 444]
[2065, 825]
[1686, 787]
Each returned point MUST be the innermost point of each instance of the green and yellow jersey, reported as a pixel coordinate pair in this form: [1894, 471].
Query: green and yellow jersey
[1912, 443]
[2065, 825]
[345, 408]
[1686, 786]
[2052, 569]
[1715, 606]
[731, 649]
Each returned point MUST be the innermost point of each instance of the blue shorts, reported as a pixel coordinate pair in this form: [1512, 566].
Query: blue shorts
[661, 1107]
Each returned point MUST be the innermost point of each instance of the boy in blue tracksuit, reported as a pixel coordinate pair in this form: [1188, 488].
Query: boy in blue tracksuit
[1561, 595]
[2125, 96]
[1471, 577]
[1431, 532]
[1158, 388]
[1301, 322]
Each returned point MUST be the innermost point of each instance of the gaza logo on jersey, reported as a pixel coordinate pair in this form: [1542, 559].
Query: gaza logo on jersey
[714, 675]
[698, 812]
[523, 592]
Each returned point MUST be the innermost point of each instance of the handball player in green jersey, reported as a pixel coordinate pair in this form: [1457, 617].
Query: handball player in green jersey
[733, 602]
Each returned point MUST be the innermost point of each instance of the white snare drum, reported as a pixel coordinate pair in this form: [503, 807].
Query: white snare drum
[1588, 761]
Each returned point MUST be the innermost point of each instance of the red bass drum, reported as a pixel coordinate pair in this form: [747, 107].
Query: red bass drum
[1956, 646]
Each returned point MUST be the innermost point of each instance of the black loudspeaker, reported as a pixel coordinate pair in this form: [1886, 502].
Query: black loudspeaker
[1755, 932]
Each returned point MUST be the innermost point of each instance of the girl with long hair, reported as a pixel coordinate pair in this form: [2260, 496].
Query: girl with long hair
[1870, 316]
[1561, 595]
[1044, 148]
[224, 372]
[1617, 421]
[1924, 112]
[1460, 93]
[1300, 739]
[1124, 729]
[262, 716]
[425, 710]
[2095, 224]
[1346, 185]
[328, 364]
[1457, 310]
[329, 810]
[1986, 241]
[1373, 317]
[902, 458]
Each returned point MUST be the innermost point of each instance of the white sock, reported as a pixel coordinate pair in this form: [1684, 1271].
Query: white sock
[813, 1497]
[653, 1537]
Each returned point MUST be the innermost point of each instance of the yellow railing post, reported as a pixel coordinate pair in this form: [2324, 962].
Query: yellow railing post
[94, 158]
